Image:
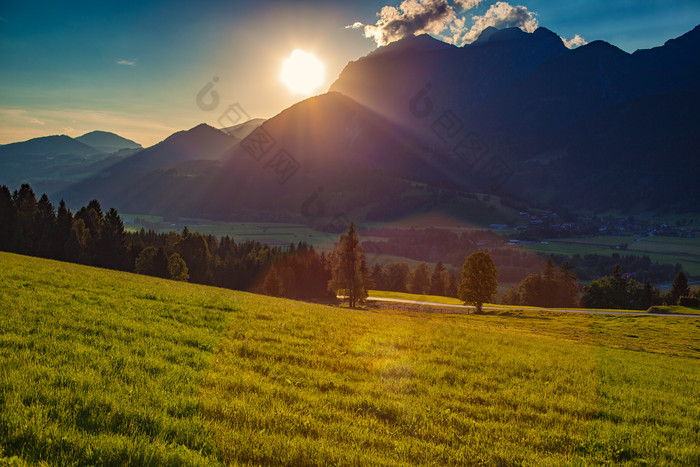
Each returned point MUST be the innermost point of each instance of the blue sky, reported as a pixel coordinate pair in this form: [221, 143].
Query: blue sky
[136, 67]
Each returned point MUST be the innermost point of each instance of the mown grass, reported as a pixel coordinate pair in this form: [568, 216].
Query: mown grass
[456, 301]
[418, 297]
[99, 367]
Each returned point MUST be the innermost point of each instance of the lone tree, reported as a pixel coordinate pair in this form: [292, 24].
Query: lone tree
[479, 280]
[349, 273]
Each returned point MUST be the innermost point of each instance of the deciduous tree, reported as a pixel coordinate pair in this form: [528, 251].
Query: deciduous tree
[479, 280]
[420, 279]
[437, 280]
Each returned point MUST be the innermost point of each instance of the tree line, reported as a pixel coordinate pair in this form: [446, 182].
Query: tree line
[434, 244]
[351, 279]
[398, 277]
[35, 227]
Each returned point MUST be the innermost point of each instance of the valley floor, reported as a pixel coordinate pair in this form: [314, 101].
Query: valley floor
[103, 367]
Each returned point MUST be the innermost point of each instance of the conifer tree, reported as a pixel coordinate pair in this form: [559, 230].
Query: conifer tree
[349, 268]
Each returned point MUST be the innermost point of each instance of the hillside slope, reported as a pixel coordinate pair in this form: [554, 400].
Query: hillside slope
[104, 367]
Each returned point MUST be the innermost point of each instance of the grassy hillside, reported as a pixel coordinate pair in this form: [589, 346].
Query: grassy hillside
[101, 367]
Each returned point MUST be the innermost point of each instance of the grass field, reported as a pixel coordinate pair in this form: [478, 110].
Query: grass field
[683, 310]
[411, 296]
[102, 367]
[668, 250]
[273, 234]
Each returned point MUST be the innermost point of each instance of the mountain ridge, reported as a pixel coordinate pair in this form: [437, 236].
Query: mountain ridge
[524, 105]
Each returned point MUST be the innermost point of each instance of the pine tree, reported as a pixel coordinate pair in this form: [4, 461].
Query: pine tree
[8, 216]
[45, 225]
[26, 223]
[92, 217]
[349, 271]
[111, 247]
[64, 223]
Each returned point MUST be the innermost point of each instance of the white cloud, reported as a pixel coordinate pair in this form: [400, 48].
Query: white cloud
[121, 61]
[410, 18]
[445, 20]
[468, 4]
[448, 20]
[500, 15]
[574, 42]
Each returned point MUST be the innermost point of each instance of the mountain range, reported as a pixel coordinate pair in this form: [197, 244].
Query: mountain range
[52, 163]
[419, 125]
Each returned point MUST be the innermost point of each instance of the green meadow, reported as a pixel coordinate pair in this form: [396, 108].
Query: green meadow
[101, 367]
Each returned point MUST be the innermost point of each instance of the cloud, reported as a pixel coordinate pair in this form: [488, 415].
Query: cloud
[20, 114]
[121, 61]
[449, 21]
[468, 4]
[411, 17]
[500, 15]
[574, 42]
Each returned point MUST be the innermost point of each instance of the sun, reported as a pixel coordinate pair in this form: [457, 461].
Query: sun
[302, 72]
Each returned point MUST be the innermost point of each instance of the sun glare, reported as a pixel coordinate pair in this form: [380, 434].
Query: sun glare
[302, 72]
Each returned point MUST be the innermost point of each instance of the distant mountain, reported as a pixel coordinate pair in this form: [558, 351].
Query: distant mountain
[134, 182]
[199, 143]
[47, 163]
[56, 145]
[418, 125]
[107, 142]
[242, 130]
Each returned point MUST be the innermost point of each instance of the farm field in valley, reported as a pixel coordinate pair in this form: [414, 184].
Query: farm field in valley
[670, 250]
[99, 366]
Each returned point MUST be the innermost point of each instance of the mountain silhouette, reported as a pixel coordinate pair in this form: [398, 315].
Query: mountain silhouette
[51, 163]
[107, 142]
[419, 124]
